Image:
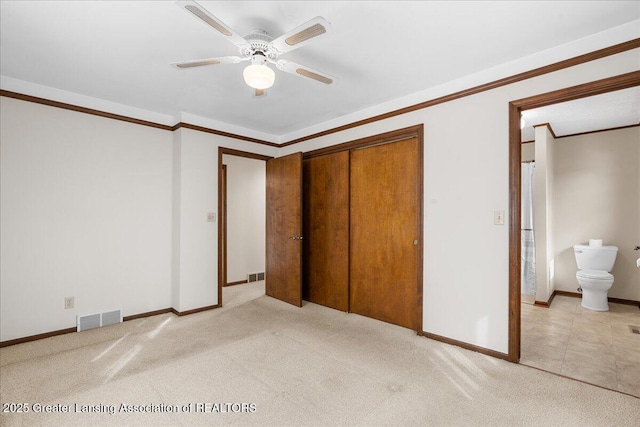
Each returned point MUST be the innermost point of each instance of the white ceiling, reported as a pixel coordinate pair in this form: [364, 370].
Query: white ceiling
[381, 52]
[606, 111]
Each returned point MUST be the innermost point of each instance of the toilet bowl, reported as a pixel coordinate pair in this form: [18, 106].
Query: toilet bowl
[594, 285]
[594, 264]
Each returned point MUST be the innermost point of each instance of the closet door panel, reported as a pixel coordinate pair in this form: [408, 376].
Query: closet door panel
[326, 230]
[384, 232]
[283, 269]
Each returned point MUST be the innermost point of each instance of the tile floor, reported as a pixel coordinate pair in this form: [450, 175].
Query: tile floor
[595, 347]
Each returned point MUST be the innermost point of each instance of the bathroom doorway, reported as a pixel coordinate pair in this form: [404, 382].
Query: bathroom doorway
[515, 139]
[565, 307]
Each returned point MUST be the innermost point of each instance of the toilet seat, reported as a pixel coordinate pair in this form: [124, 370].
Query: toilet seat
[594, 274]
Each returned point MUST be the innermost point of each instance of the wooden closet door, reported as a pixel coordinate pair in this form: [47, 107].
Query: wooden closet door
[326, 230]
[384, 232]
[283, 270]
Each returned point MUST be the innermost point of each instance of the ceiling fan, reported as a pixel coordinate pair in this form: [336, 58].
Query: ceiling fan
[260, 49]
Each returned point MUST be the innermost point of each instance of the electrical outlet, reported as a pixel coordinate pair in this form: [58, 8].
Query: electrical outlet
[68, 303]
[498, 217]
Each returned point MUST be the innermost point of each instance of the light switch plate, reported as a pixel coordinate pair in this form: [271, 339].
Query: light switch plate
[498, 217]
[211, 217]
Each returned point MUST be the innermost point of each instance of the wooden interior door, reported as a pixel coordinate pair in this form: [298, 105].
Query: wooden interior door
[384, 232]
[326, 230]
[283, 272]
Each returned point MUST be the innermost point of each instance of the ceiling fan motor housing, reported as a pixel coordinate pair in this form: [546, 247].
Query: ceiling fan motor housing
[260, 43]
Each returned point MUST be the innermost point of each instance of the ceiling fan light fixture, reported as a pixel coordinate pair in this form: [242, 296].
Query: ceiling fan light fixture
[259, 76]
[261, 49]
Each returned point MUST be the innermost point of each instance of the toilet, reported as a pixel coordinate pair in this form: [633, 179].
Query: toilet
[594, 264]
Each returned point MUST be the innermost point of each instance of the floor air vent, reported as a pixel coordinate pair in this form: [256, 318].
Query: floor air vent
[634, 329]
[98, 320]
[254, 277]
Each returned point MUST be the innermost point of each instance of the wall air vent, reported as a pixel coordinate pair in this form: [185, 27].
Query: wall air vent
[254, 277]
[111, 317]
[98, 320]
[87, 322]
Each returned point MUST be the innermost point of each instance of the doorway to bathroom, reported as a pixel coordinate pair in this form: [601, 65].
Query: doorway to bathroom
[565, 338]
[516, 108]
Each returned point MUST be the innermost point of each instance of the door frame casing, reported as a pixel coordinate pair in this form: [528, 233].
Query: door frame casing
[223, 223]
[417, 132]
[516, 107]
[222, 217]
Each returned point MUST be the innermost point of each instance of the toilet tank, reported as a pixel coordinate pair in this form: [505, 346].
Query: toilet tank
[595, 258]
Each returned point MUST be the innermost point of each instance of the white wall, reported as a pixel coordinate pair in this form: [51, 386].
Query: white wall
[596, 196]
[196, 263]
[543, 209]
[111, 213]
[246, 216]
[466, 178]
[527, 152]
[85, 211]
[176, 208]
[197, 267]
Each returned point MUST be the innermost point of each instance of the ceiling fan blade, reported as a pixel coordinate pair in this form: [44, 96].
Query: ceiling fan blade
[209, 61]
[201, 13]
[301, 70]
[301, 35]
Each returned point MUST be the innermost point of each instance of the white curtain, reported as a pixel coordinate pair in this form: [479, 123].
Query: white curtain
[528, 251]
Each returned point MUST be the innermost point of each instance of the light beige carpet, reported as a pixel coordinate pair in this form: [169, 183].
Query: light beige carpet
[288, 366]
